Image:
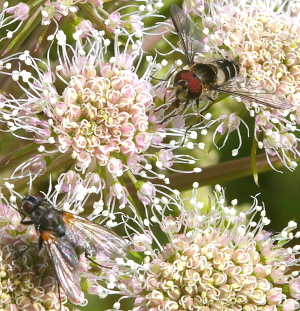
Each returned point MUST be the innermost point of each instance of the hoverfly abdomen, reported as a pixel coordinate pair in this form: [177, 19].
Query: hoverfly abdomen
[227, 70]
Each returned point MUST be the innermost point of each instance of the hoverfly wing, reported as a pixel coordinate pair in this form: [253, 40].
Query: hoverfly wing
[93, 238]
[268, 99]
[65, 263]
[188, 33]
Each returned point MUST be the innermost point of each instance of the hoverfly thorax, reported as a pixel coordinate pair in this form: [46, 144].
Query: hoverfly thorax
[207, 73]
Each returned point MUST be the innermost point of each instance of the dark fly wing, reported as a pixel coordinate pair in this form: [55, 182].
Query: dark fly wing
[65, 262]
[188, 33]
[93, 238]
[268, 99]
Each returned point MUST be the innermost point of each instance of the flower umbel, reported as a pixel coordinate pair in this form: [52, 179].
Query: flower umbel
[215, 259]
[99, 113]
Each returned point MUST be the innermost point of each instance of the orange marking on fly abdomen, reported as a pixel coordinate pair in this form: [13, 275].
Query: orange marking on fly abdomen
[47, 236]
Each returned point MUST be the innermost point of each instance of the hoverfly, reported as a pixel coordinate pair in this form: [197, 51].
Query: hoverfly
[65, 237]
[217, 75]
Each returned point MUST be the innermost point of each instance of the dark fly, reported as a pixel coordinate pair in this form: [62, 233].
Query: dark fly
[66, 236]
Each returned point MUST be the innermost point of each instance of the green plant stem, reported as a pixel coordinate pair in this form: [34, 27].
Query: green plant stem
[218, 173]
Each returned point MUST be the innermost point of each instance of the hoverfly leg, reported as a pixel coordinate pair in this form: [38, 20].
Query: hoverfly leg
[40, 242]
[195, 120]
[94, 262]
[209, 105]
[169, 88]
[170, 75]
[211, 99]
[175, 106]
[155, 110]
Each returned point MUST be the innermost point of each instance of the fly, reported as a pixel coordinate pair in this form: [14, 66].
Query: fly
[217, 75]
[65, 237]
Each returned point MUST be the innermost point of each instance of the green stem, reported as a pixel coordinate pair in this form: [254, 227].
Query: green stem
[23, 34]
[219, 173]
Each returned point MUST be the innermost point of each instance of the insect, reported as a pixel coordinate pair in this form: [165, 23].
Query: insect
[65, 237]
[269, 234]
[217, 75]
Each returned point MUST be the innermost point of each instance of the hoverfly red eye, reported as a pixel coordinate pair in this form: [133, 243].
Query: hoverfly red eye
[30, 202]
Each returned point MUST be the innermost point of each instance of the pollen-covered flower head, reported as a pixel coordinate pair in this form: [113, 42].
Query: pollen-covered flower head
[102, 112]
[214, 258]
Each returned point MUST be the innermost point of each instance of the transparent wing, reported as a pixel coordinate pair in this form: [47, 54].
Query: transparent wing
[188, 33]
[264, 98]
[93, 238]
[269, 234]
[65, 263]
